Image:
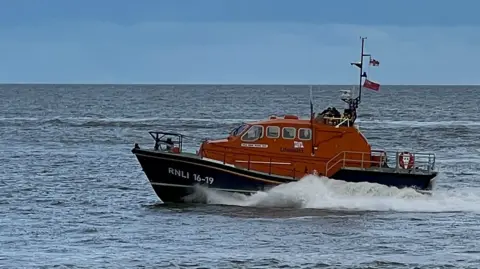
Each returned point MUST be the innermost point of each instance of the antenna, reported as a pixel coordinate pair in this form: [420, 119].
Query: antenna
[357, 100]
[353, 103]
[361, 70]
[311, 120]
[311, 102]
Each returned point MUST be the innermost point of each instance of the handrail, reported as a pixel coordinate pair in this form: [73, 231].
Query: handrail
[250, 162]
[279, 156]
[421, 161]
[334, 121]
[338, 154]
[344, 160]
[345, 120]
[159, 135]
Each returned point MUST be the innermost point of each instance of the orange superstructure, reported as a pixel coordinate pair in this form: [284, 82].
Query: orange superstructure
[290, 146]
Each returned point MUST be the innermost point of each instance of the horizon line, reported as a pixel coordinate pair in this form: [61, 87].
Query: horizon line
[221, 84]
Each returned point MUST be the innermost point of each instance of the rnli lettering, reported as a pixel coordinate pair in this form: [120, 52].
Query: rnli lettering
[178, 173]
[184, 174]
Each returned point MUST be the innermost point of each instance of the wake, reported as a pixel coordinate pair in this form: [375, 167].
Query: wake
[324, 193]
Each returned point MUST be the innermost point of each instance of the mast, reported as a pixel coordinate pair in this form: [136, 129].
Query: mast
[355, 102]
[312, 126]
[361, 70]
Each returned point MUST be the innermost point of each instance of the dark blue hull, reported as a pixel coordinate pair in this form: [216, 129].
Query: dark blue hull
[392, 179]
[173, 176]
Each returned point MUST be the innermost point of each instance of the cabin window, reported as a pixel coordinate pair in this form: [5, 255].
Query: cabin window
[289, 133]
[304, 134]
[254, 133]
[273, 132]
[239, 130]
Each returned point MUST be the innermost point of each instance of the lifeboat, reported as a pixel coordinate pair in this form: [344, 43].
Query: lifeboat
[256, 156]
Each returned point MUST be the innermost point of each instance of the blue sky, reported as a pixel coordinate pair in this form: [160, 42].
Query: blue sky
[238, 41]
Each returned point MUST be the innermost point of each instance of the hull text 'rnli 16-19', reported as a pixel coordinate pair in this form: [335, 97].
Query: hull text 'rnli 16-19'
[258, 155]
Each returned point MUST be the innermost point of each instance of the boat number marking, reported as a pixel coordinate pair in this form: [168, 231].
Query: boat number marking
[186, 175]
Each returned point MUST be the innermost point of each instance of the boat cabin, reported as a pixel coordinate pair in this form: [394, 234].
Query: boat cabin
[291, 146]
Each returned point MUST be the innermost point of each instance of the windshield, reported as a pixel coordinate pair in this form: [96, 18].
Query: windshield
[239, 130]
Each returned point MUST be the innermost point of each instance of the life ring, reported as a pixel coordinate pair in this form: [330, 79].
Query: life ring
[406, 160]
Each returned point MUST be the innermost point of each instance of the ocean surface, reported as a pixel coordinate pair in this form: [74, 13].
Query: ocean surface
[72, 195]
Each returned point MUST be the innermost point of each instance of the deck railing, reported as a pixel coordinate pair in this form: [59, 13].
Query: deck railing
[421, 161]
[335, 121]
[263, 163]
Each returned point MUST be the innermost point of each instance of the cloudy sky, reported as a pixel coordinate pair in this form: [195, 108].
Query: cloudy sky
[238, 41]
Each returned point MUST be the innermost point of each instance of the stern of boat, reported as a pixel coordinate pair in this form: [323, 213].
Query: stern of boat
[399, 169]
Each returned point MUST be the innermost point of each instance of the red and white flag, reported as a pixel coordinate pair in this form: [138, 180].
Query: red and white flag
[371, 85]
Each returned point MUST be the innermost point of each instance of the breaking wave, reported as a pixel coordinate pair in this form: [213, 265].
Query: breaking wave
[325, 193]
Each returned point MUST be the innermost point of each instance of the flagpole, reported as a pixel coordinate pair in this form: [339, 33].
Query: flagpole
[311, 121]
[361, 71]
[368, 84]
